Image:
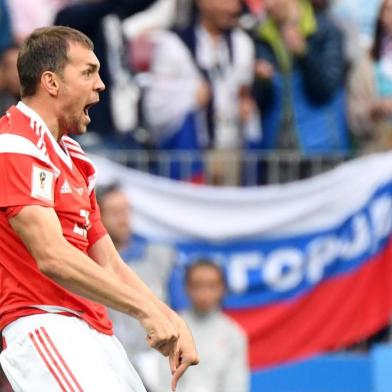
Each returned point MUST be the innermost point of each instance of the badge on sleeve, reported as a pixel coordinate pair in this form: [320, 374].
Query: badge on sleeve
[42, 184]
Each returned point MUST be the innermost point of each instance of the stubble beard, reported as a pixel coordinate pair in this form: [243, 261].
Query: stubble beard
[72, 125]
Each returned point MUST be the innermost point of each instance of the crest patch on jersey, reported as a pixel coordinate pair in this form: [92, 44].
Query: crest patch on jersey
[42, 184]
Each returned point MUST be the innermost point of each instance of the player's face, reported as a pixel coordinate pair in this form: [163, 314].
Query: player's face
[205, 288]
[115, 213]
[80, 86]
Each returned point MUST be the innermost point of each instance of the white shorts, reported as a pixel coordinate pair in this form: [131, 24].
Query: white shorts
[51, 353]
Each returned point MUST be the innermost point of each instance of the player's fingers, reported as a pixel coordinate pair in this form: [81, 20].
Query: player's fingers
[162, 343]
[174, 360]
[153, 341]
[165, 349]
[177, 375]
[158, 345]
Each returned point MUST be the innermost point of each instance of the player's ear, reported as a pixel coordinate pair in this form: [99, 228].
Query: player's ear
[50, 83]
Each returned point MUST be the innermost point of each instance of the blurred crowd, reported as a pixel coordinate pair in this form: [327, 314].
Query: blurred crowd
[226, 78]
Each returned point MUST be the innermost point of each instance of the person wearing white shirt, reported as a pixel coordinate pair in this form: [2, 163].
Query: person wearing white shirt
[222, 344]
[206, 71]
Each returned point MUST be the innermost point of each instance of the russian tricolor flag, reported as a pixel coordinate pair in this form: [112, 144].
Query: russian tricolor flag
[309, 264]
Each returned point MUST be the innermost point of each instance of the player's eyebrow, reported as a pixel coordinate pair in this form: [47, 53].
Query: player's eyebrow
[93, 66]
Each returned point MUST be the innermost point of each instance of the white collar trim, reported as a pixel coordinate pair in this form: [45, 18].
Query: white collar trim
[64, 155]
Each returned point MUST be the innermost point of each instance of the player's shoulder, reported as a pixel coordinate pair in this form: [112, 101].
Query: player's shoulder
[14, 139]
[15, 123]
[20, 142]
[5, 122]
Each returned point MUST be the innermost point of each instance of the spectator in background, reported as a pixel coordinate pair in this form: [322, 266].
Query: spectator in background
[9, 79]
[114, 121]
[152, 262]
[27, 15]
[5, 26]
[185, 13]
[357, 18]
[370, 89]
[160, 15]
[199, 95]
[300, 75]
[222, 345]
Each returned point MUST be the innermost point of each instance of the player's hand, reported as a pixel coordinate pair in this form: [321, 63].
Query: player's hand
[162, 334]
[183, 355]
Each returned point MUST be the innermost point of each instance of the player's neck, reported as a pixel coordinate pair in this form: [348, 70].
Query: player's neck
[47, 114]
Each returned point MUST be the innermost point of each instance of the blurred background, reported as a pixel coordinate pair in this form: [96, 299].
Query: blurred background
[229, 133]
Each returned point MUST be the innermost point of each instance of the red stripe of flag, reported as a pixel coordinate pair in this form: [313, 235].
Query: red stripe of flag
[335, 314]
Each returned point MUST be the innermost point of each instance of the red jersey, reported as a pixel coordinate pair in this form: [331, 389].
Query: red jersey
[35, 169]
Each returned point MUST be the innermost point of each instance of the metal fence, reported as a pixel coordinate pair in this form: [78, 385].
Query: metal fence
[255, 167]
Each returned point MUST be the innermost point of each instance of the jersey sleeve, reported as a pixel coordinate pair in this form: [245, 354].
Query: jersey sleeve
[97, 229]
[25, 180]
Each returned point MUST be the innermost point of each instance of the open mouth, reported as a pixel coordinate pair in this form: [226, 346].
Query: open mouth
[87, 108]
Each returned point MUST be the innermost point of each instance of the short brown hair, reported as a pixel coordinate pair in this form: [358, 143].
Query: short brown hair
[46, 49]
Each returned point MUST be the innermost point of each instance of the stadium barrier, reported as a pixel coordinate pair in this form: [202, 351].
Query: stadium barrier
[256, 166]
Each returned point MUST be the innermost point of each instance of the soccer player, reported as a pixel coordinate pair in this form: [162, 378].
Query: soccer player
[58, 267]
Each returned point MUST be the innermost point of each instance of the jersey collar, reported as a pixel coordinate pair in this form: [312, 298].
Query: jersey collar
[33, 115]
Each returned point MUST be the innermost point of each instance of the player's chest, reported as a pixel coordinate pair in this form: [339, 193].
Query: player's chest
[72, 201]
[71, 196]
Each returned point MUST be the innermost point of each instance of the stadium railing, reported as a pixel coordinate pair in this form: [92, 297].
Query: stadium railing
[257, 166]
